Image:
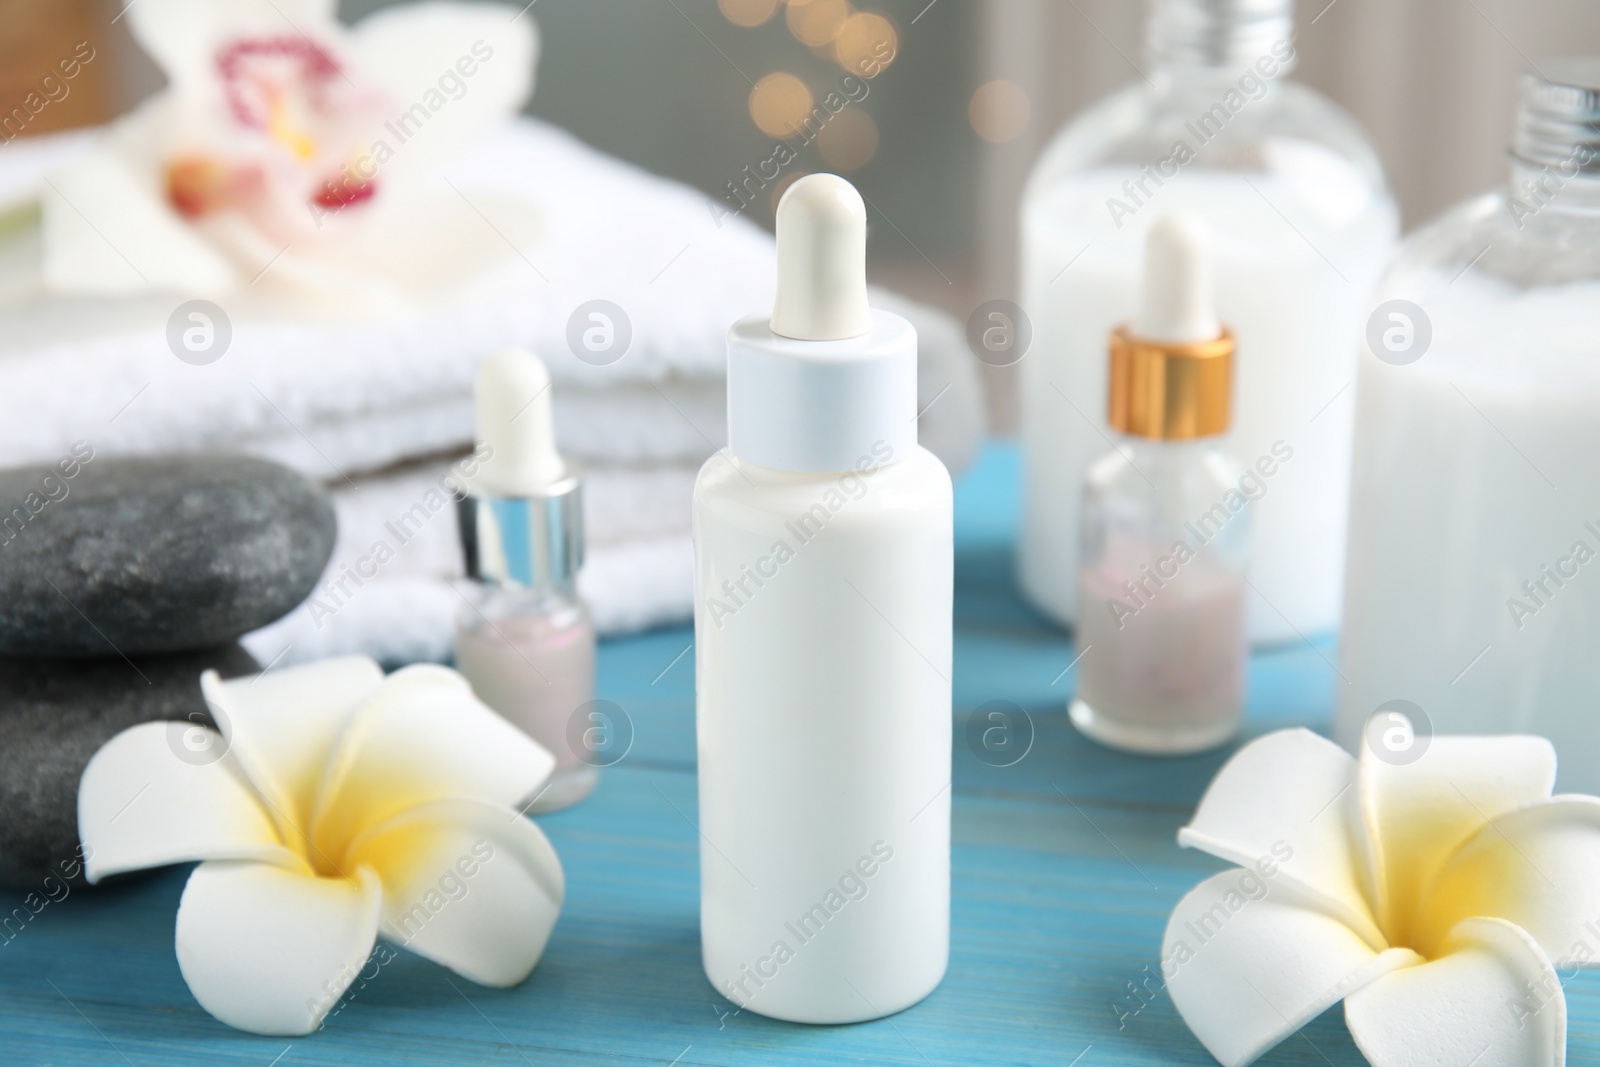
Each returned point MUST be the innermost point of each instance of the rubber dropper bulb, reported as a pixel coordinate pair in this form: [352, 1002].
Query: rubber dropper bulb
[822, 261]
[512, 395]
[1178, 305]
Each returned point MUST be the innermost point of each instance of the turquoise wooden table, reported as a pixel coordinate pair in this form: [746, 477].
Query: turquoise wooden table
[1065, 869]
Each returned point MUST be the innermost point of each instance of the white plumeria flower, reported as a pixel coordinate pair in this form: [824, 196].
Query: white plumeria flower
[287, 141]
[336, 804]
[1438, 899]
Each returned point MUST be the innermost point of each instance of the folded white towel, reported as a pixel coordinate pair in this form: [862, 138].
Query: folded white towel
[638, 572]
[333, 397]
[347, 400]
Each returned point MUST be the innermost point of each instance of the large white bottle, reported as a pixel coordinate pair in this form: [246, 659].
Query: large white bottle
[824, 563]
[1473, 592]
[1302, 224]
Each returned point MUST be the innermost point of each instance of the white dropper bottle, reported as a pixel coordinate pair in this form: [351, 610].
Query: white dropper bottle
[525, 640]
[823, 581]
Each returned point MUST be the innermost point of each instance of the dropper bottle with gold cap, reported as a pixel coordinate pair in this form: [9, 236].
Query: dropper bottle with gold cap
[1161, 627]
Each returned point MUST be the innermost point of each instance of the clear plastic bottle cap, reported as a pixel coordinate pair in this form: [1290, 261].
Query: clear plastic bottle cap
[1558, 122]
[1217, 33]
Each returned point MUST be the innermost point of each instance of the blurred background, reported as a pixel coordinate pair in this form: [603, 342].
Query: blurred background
[942, 144]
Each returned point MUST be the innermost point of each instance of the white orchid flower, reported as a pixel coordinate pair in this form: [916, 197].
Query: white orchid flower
[335, 804]
[1440, 899]
[287, 141]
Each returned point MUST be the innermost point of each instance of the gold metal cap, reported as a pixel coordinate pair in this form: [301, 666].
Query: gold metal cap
[1170, 392]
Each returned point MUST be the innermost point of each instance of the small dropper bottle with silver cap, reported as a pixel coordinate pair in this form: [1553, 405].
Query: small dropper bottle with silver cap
[823, 583]
[1161, 632]
[526, 642]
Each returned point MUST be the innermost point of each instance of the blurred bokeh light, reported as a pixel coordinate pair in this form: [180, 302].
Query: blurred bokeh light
[849, 140]
[866, 41]
[748, 13]
[816, 22]
[779, 104]
[999, 111]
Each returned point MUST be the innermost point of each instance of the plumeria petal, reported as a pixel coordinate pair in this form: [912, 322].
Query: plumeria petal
[474, 887]
[422, 736]
[107, 230]
[455, 70]
[1416, 814]
[1492, 1000]
[161, 793]
[269, 950]
[182, 35]
[1538, 867]
[1284, 804]
[1248, 963]
[283, 725]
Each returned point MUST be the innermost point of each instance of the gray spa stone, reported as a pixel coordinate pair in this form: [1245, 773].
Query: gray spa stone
[54, 715]
[137, 556]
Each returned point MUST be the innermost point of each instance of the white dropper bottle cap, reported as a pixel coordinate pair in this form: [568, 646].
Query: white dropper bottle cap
[822, 261]
[1178, 305]
[827, 383]
[512, 395]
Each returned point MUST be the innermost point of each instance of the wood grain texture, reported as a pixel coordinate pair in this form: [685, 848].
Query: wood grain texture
[1065, 869]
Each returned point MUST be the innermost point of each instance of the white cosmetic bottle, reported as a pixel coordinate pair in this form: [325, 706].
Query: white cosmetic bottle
[823, 581]
[1473, 595]
[1303, 226]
